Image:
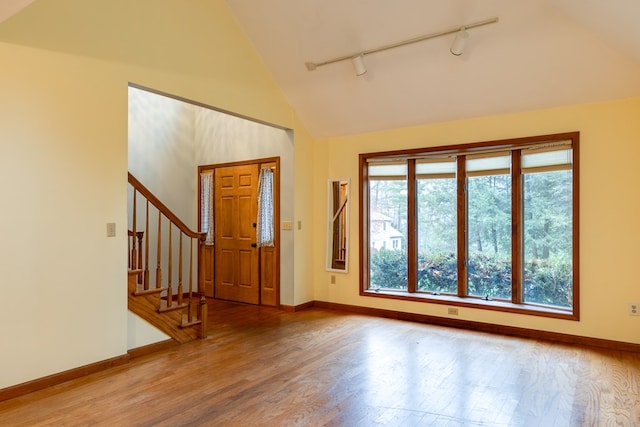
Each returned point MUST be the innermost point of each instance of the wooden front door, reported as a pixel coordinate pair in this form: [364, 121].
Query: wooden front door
[236, 257]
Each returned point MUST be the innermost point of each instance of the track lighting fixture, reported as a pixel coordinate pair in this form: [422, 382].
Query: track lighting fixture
[456, 48]
[358, 65]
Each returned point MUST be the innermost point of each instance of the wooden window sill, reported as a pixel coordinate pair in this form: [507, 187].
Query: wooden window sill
[475, 302]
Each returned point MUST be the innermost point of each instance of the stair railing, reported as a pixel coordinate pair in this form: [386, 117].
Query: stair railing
[165, 256]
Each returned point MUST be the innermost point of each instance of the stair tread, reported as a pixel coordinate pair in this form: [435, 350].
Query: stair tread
[149, 291]
[175, 306]
[193, 322]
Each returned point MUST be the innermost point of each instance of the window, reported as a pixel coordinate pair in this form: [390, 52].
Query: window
[388, 223]
[489, 225]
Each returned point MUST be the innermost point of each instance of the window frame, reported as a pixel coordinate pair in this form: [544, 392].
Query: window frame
[517, 303]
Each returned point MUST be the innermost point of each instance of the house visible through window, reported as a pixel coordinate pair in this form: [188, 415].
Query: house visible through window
[485, 224]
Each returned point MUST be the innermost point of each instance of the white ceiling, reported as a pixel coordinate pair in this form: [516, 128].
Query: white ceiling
[541, 53]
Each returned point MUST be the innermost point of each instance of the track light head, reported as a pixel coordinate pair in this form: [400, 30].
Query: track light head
[457, 47]
[358, 64]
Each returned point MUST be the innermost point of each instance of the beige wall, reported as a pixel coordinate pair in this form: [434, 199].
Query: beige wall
[609, 210]
[63, 160]
[63, 177]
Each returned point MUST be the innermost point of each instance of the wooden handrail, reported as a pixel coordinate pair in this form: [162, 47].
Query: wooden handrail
[164, 209]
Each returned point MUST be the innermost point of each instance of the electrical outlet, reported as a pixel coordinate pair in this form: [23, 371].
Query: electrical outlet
[287, 225]
[634, 309]
[452, 310]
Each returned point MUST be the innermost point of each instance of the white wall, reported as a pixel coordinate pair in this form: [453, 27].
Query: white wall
[161, 150]
[141, 333]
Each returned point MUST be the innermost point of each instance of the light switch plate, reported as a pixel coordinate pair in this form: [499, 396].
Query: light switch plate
[111, 229]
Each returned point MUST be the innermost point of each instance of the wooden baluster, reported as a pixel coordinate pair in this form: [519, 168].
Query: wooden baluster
[169, 272]
[146, 248]
[139, 235]
[200, 273]
[189, 314]
[133, 254]
[202, 309]
[203, 316]
[180, 271]
[158, 253]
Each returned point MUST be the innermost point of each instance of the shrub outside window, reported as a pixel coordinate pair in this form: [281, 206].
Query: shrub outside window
[490, 225]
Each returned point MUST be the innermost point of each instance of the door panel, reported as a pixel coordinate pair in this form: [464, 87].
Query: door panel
[246, 263]
[268, 276]
[226, 269]
[207, 270]
[236, 259]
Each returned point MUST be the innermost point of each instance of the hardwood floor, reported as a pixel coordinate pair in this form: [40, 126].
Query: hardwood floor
[264, 367]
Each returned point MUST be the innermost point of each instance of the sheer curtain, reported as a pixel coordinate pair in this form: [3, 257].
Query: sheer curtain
[206, 205]
[265, 232]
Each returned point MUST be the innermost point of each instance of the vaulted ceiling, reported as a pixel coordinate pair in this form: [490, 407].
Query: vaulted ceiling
[540, 54]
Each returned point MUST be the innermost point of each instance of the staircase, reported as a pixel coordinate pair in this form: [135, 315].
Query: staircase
[164, 296]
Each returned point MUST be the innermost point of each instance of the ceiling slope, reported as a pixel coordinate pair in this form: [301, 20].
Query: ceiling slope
[8, 8]
[541, 53]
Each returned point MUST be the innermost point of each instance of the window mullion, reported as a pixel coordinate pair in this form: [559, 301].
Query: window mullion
[462, 225]
[517, 217]
[412, 227]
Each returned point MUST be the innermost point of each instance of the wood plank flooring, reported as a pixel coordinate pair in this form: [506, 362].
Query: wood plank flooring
[264, 367]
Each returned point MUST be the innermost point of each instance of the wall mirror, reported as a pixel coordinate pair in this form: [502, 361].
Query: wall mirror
[338, 225]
